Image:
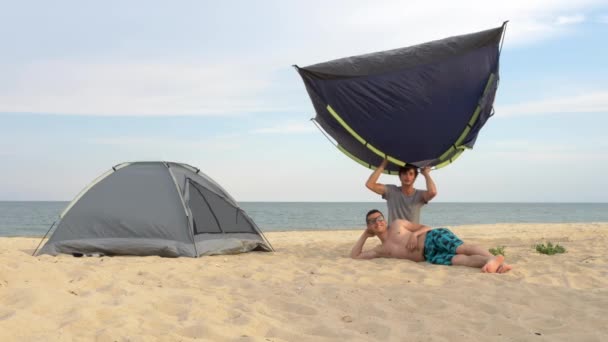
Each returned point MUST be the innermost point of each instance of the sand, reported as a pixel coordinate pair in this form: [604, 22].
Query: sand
[309, 290]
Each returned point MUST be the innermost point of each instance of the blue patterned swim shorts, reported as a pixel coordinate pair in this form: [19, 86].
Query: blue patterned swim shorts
[440, 246]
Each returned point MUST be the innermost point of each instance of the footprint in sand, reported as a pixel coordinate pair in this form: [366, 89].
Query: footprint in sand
[295, 308]
[112, 290]
[6, 314]
[176, 306]
[376, 331]
[238, 318]
[200, 331]
[21, 298]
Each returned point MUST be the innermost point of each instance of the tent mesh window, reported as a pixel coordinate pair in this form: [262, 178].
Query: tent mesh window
[213, 214]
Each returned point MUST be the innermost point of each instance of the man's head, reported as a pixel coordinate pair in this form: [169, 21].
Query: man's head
[408, 174]
[375, 222]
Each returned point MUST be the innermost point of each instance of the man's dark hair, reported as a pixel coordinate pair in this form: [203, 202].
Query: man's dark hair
[373, 211]
[408, 167]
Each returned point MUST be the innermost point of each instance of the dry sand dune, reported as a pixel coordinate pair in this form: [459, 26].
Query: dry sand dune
[309, 290]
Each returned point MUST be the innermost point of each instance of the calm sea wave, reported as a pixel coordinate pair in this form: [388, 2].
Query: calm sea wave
[34, 218]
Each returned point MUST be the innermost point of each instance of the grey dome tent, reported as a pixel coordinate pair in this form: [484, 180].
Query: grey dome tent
[154, 208]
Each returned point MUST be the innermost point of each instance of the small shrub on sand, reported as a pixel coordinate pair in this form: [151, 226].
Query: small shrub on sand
[498, 250]
[550, 248]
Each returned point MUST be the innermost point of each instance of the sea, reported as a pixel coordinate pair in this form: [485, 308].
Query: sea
[35, 218]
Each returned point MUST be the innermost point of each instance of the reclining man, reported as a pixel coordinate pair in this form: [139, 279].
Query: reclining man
[416, 242]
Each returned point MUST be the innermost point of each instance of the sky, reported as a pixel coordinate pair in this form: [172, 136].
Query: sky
[88, 85]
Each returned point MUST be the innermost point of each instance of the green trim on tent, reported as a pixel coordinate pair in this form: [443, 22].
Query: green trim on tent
[351, 156]
[463, 135]
[362, 141]
[396, 161]
[475, 115]
[467, 129]
[447, 153]
[345, 125]
[451, 160]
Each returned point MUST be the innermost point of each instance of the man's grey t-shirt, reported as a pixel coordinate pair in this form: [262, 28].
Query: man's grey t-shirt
[401, 206]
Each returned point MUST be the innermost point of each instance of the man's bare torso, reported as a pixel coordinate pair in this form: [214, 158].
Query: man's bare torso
[395, 245]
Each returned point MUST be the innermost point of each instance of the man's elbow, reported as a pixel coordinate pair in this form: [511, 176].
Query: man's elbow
[375, 187]
[358, 256]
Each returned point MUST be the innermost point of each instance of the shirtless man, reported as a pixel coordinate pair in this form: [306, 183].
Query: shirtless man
[416, 242]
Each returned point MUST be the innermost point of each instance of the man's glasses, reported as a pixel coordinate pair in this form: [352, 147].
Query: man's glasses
[376, 220]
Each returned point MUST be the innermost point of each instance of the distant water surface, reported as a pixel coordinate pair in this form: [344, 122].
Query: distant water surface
[34, 218]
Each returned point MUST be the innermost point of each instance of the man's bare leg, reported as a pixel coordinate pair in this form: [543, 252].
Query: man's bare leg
[468, 249]
[488, 264]
[470, 260]
[477, 256]
[492, 264]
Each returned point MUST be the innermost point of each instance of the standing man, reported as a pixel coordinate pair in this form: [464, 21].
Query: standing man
[404, 202]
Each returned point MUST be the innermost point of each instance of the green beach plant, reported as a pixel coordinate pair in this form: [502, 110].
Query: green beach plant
[550, 248]
[498, 250]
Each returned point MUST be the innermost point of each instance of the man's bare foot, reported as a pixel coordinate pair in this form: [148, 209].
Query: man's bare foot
[492, 265]
[504, 268]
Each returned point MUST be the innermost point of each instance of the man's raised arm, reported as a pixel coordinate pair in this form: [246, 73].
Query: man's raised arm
[372, 181]
[431, 189]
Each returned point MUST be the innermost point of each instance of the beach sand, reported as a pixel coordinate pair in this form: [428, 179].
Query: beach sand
[310, 290]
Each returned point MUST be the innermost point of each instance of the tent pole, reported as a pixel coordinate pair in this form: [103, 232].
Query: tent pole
[322, 131]
[210, 210]
[44, 237]
[502, 40]
[184, 206]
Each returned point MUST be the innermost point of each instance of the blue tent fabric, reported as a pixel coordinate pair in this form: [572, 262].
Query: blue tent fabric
[420, 105]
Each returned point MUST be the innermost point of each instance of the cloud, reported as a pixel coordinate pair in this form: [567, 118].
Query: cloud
[150, 143]
[572, 19]
[604, 19]
[592, 102]
[8, 154]
[367, 23]
[213, 61]
[536, 151]
[533, 156]
[287, 128]
[137, 89]
[524, 145]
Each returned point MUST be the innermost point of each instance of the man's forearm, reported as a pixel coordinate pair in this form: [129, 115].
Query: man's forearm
[373, 178]
[422, 230]
[358, 247]
[430, 185]
[417, 228]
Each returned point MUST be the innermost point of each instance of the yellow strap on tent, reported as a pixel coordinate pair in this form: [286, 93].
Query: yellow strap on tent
[351, 156]
[475, 115]
[462, 136]
[451, 160]
[467, 129]
[345, 125]
[362, 141]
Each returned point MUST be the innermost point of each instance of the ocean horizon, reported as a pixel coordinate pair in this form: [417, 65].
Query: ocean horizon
[34, 218]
